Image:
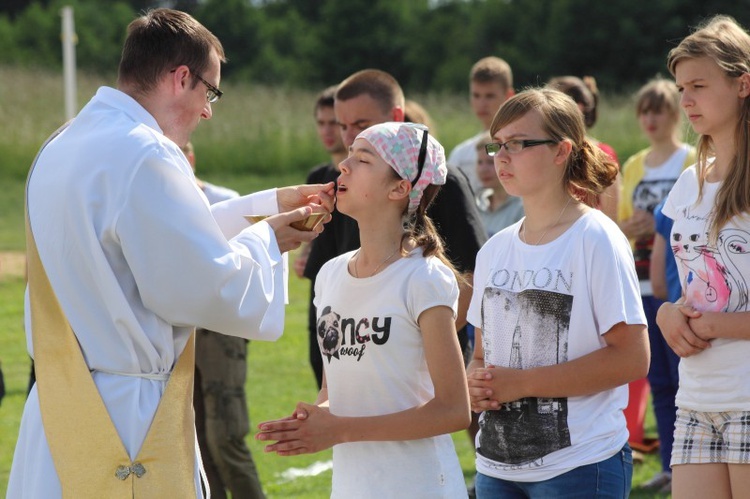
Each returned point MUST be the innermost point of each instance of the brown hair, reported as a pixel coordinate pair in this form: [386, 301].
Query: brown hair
[725, 42]
[420, 228]
[583, 91]
[325, 98]
[589, 170]
[492, 69]
[379, 85]
[161, 40]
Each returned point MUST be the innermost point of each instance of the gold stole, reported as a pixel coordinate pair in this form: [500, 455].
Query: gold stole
[87, 451]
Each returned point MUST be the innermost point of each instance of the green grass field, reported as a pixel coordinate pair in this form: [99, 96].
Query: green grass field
[268, 132]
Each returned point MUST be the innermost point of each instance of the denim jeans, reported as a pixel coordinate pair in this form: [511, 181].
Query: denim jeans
[663, 376]
[610, 478]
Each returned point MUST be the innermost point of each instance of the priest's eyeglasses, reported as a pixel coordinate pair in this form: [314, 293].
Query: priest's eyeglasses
[213, 94]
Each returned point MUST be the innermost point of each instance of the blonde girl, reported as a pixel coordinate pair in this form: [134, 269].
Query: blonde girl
[648, 176]
[709, 327]
[394, 380]
[560, 327]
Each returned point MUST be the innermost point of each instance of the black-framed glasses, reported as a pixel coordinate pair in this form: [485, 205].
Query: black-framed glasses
[515, 145]
[422, 155]
[213, 94]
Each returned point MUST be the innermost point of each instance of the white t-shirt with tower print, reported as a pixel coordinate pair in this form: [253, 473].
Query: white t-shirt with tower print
[374, 362]
[545, 305]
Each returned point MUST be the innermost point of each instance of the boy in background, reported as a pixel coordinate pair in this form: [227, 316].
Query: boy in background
[490, 84]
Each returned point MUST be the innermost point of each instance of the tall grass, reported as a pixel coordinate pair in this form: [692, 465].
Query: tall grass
[256, 132]
[255, 129]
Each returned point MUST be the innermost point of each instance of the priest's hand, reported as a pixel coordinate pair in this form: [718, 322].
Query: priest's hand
[290, 198]
[287, 237]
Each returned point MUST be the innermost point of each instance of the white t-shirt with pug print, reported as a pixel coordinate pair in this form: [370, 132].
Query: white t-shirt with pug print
[374, 363]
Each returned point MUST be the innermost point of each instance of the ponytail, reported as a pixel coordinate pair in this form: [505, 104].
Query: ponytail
[420, 228]
[590, 171]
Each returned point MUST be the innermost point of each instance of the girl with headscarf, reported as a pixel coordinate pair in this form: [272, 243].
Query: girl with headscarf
[394, 385]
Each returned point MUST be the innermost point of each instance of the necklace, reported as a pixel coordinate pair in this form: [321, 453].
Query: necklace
[356, 274]
[523, 230]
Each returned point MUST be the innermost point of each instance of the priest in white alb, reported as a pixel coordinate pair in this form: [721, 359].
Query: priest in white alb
[125, 256]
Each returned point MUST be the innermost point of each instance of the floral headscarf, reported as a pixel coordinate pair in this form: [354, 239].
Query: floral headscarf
[402, 145]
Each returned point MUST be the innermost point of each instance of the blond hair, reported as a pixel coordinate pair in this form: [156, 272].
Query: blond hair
[658, 95]
[725, 42]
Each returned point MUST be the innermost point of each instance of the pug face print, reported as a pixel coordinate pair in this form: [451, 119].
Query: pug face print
[329, 333]
[350, 337]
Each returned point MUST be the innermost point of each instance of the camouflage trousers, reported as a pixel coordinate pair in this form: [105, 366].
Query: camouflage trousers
[221, 416]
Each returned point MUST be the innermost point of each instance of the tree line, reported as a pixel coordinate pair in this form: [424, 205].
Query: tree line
[429, 45]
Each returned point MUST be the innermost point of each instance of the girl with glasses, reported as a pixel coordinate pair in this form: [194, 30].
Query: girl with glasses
[560, 329]
[393, 386]
[708, 326]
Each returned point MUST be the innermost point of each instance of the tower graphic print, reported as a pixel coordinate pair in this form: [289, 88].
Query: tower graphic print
[537, 324]
[515, 358]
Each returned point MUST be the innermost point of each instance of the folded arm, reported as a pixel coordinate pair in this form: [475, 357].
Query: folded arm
[624, 358]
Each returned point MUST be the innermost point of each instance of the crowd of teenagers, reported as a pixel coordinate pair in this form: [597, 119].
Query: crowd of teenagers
[525, 288]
